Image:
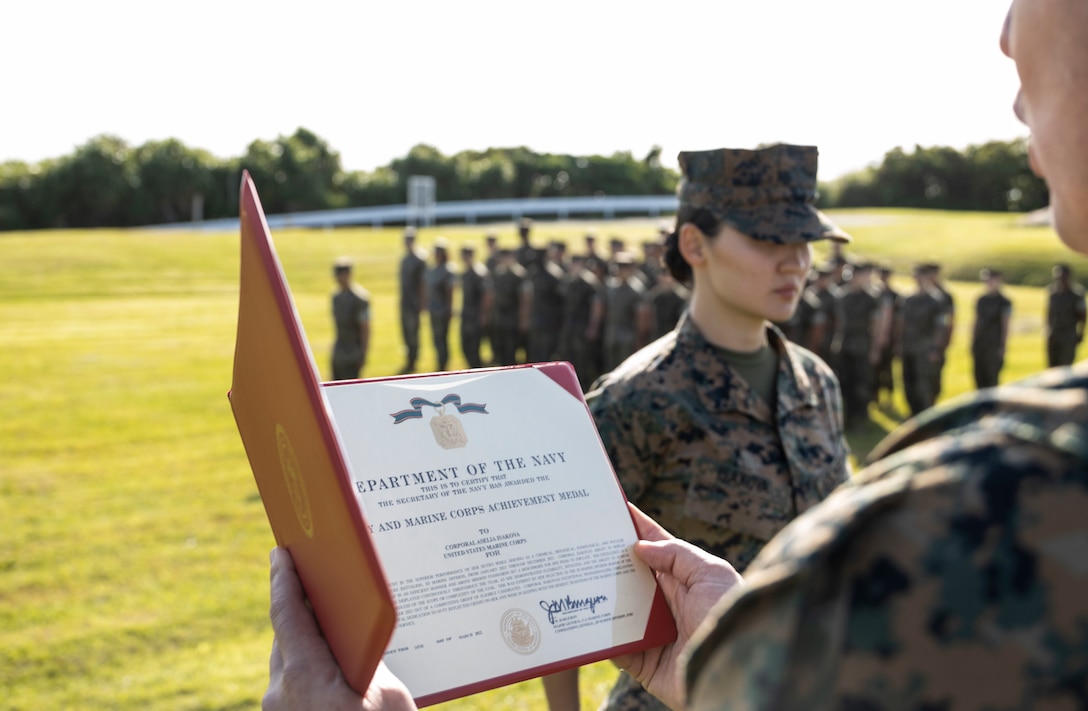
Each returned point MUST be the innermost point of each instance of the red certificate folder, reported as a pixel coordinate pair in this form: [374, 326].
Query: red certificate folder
[296, 459]
[305, 481]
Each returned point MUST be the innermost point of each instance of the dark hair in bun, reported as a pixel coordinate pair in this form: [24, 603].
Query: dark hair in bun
[707, 223]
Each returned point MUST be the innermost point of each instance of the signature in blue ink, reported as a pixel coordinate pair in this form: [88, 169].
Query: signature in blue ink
[569, 604]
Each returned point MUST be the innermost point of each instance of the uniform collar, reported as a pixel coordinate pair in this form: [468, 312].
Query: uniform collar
[721, 390]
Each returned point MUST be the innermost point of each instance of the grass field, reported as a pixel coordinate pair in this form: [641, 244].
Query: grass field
[134, 558]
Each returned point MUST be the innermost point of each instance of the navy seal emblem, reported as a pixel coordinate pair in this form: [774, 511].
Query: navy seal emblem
[520, 631]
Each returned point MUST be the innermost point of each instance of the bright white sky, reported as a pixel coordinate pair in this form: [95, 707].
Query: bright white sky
[375, 77]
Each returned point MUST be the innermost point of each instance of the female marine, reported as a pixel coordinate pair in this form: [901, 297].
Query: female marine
[723, 431]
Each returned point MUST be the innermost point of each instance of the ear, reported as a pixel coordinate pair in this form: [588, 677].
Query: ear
[692, 243]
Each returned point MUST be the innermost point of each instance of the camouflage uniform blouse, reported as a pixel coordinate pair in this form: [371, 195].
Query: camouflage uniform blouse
[695, 448]
[951, 574]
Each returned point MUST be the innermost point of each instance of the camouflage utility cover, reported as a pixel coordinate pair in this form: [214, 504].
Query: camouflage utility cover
[767, 194]
[950, 574]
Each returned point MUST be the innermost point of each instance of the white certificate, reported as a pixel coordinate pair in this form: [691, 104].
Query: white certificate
[498, 520]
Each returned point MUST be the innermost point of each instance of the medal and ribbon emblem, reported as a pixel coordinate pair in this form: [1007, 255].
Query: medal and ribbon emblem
[447, 428]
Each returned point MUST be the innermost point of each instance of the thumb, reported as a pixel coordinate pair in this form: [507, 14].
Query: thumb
[658, 555]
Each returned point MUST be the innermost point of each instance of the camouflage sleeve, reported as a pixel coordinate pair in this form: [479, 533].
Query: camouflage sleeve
[953, 575]
[633, 440]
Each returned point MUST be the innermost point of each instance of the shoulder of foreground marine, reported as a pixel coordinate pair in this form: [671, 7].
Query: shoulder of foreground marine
[1039, 408]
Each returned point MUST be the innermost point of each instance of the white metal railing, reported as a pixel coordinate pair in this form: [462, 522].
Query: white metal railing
[470, 211]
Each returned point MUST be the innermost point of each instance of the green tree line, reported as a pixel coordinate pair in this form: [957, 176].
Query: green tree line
[106, 182]
[993, 177]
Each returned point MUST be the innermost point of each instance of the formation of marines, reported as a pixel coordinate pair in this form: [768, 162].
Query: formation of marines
[860, 326]
[596, 307]
[535, 304]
